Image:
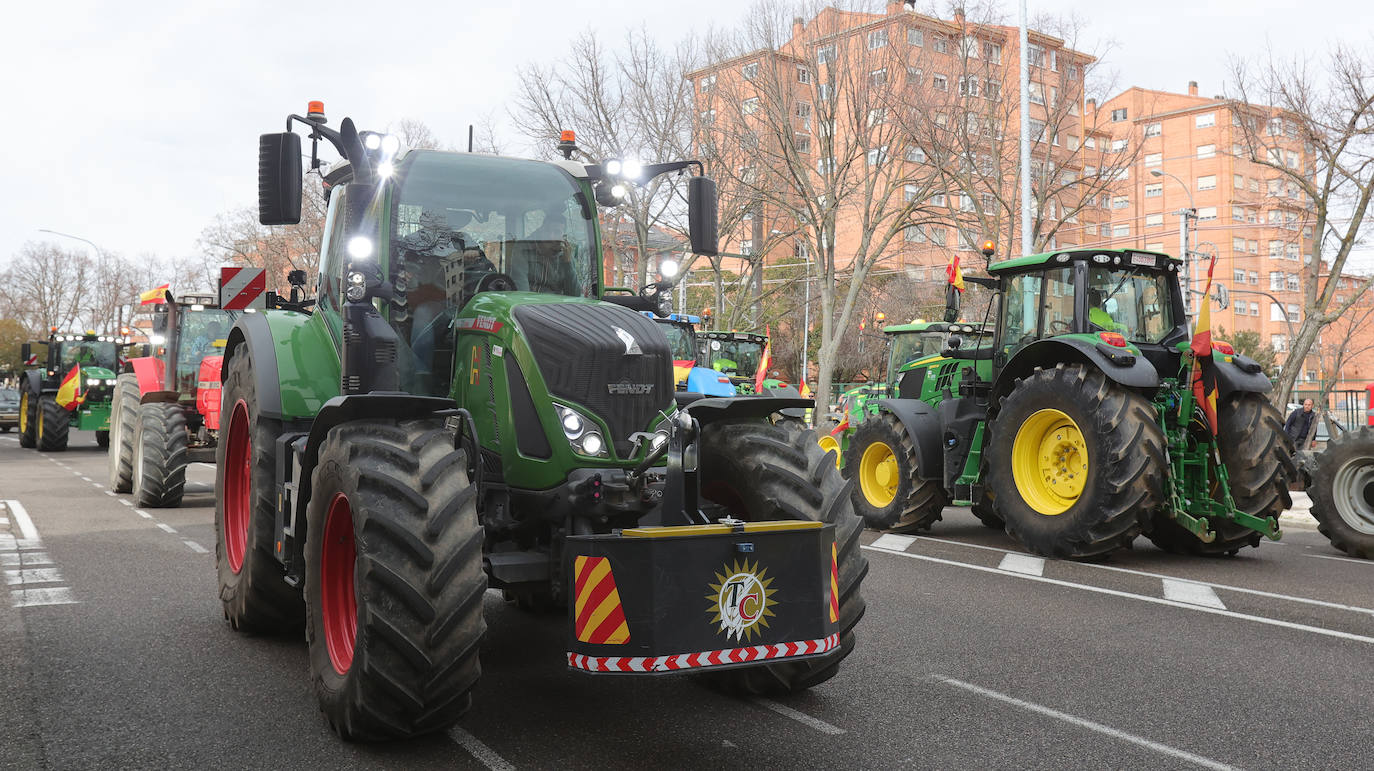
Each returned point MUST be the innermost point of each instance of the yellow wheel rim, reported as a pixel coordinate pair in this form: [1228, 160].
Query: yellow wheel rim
[40, 422]
[24, 413]
[879, 474]
[828, 444]
[1049, 462]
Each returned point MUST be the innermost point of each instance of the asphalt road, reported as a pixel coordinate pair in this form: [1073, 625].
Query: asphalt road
[114, 653]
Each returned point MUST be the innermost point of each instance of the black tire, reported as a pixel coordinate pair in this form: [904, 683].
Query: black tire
[28, 420]
[917, 504]
[759, 471]
[1343, 492]
[1124, 458]
[102, 439]
[984, 509]
[1258, 457]
[123, 416]
[54, 425]
[256, 598]
[4, 429]
[417, 579]
[160, 456]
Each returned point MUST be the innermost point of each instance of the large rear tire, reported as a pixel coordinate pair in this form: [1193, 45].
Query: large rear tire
[888, 491]
[759, 471]
[160, 455]
[252, 587]
[28, 420]
[54, 423]
[1259, 462]
[394, 580]
[1343, 492]
[123, 415]
[1076, 463]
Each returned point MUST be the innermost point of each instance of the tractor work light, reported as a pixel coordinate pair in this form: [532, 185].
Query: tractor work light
[613, 168]
[390, 145]
[385, 170]
[360, 247]
[619, 190]
[157, 339]
[631, 168]
[372, 141]
[668, 268]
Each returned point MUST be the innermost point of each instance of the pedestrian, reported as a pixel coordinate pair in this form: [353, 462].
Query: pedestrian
[1301, 426]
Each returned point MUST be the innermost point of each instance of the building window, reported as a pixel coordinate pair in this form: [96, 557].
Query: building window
[1037, 93]
[1154, 130]
[1154, 159]
[1207, 213]
[750, 105]
[939, 82]
[1154, 190]
[965, 202]
[876, 117]
[803, 73]
[750, 70]
[1154, 220]
[909, 193]
[915, 76]
[1208, 182]
[915, 37]
[825, 165]
[1254, 309]
[1296, 315]
[914, 233]
[1206, 151]
[1275, 280]
[803, 114]
[1279, 342]
[992, 52]
[802, 142]
[1254, 274]
[1118, 145]
[706, 83]
[746, 247]
[1118, 115]
[1252, 247]
[1205, 120]
[877, 155]
[1119, 231]
[1238, 182]
[968, 47]
[915, 154]
[940, 44]
[1291, 251]
[825, 54]
[968, 86]
[1121, 202]
[877, 39]
[824, 92]
[1035, 57]
[1274, 127]
[1240, 277]
[938, 199]
[1275, 248]
[877, 77]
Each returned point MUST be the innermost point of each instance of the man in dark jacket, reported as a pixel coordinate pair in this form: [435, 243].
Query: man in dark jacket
[1301, 426]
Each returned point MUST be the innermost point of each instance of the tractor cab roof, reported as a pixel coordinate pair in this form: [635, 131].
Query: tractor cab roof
[1129, 257]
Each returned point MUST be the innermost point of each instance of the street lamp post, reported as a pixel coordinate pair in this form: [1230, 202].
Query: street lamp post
[1183, 217]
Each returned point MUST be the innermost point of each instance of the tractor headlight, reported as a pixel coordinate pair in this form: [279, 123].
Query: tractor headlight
[110, 382]
[591, 444]
[581, 434]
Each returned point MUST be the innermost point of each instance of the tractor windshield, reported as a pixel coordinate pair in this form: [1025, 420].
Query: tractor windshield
[202, 334]
[912, 346]
[680, 341]
[735, 357]
[87, 353]
[1132, 301]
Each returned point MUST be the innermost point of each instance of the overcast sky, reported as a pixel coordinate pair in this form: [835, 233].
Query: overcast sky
[133, 124]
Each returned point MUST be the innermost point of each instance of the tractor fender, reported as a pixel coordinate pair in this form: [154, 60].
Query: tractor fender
[701, 380]
[159, 397]
[1237, 373]
[295, 363]
[151, 372]
[32, 381]
[923, 426]
[713, 408]
[1131, 370]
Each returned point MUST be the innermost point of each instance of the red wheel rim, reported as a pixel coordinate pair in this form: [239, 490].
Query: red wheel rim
[337, 598]
[238, 492]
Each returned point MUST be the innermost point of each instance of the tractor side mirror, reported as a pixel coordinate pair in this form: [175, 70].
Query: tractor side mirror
[951, 303]
[25, 351]
[952, 345]
[701, 216]
[280, 176]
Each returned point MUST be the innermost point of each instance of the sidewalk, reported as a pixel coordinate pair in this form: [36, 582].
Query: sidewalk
[1300, 516]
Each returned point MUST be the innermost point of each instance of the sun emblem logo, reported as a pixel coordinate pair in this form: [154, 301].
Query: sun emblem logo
[741, 600]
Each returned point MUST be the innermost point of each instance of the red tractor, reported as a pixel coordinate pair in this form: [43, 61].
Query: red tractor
[165, 414]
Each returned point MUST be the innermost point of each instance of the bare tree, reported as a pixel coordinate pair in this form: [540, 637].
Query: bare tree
[47, 286]
[1330, 109]
[416, 135]
[236, 238]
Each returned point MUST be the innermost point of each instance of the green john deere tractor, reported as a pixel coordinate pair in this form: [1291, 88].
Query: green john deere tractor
[1077, 428]
[72, 389]
[466, 406]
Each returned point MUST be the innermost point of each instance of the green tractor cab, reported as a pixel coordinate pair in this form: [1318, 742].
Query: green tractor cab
[468, 406]
[1079, 433]
[736, 355]
[72, 389]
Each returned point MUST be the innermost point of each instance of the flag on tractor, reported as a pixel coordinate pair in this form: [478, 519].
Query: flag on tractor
[69, 394]
[956, 276]
[156, 296]
[1204, 372]
[805, 390]
[765, 361]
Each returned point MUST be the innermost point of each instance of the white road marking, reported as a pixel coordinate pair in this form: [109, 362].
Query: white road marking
[125, 501]
[1140, 597]
[54, 595]
[22, 594]
[1227, 587]
[1139, 741]
[25, 577]
[484, 754]
[166, 527]
[99, 486]
[893, 541]
[1192, 593]
[84, 477]
[21, 518]
[1340, 559]
[1023, 563]
[195, 547]
[110, 493]
[800, 717]
[144, 514]
[24, 559]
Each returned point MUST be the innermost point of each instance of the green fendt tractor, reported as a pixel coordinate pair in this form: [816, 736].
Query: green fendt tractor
[72, 389]
[467, 407]
[1081, 430]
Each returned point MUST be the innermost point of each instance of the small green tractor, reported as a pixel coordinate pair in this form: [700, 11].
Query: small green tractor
[1076, 429]
[72, 389]
[467, 406]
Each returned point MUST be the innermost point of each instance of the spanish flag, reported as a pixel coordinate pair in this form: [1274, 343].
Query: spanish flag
[1204, 379]
[156, 296]
[69, 394]
[956, 276]
[765, 362]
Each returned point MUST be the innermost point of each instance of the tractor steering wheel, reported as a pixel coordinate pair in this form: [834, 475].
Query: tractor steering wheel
[496, 282]
[1060, 327]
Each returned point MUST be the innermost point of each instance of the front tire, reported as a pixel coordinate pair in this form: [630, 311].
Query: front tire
[252, 587]
[54, 423]
[394, 580]
[123, 416]
[1343, 492]
[888, 490]
[759, 471]
[160, 455]
[28, 421]
[1075, 463]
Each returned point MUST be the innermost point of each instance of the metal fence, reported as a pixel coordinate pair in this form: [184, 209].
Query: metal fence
[1347, 407]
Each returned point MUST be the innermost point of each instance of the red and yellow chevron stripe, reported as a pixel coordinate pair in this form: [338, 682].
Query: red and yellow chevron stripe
[600, 617]
[834, 584]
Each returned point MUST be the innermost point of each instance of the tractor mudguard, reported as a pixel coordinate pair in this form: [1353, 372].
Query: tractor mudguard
[158, 397]
[711, 409]
[703, 380]
[923, 426]
[1129, 370]
[150, 371]
[295, 384]
[1239, 374]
